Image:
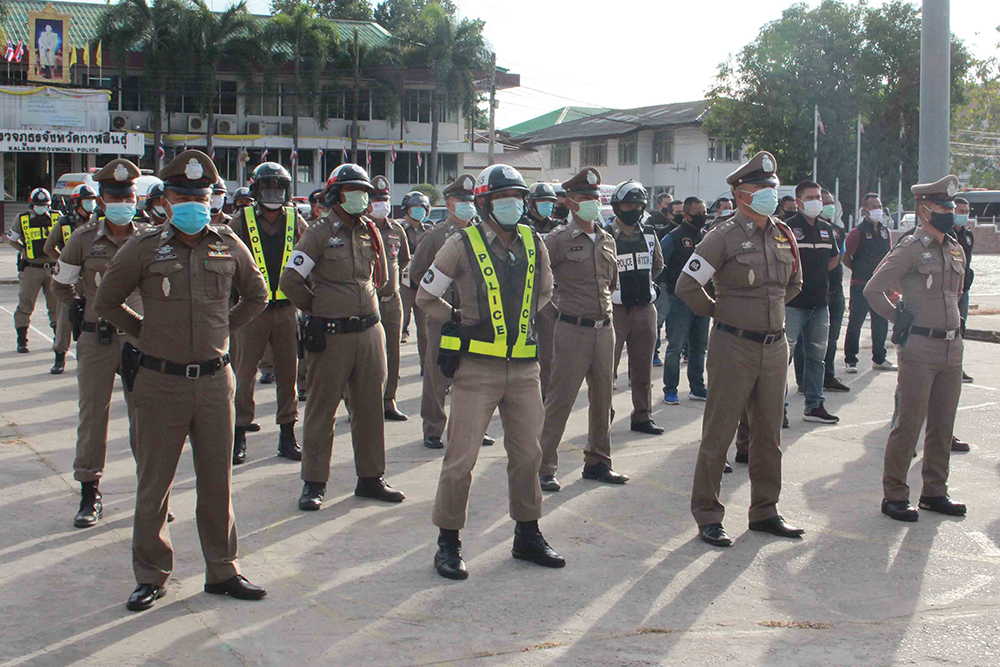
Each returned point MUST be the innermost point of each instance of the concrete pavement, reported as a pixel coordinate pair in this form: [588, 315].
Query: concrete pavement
[354, 583]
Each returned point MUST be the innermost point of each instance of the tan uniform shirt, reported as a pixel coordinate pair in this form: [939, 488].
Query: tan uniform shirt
[84, 262]
[338, 259]
[753, 270]
[585, 271]
[930, 275]
[54, 243]
[397, 253]
[452, 266]
[429, 246]
[185, 292]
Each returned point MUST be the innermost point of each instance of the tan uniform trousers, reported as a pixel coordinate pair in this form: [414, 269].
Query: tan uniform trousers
[637, 327]
[580, 353]
[391, 313]
[97, 368]
[743, 435]
[435, 385]
[352, 362]
[267, 365]
[479, 387]
[409, 297]
[742, 375]
[30, 281]
[168, 409]
[64, 330]
[545, 329]
[277, 327]
[930, 374]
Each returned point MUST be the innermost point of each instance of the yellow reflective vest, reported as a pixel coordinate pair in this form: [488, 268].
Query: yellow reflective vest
[258, 250]
[34, 237]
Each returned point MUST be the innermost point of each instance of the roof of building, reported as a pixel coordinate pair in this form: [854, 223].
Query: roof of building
[563, 115]
[84, 18]
[617, 122]
[518, 158]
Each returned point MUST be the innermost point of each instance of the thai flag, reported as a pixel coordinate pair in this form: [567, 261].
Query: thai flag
[392, 153]
[213, 153]
[343, 155]
[420, 160]
[368, 157]
[19, 52]
[263, 156]
[163, 152]
[9, 55]
[819, 123]
[295, 158]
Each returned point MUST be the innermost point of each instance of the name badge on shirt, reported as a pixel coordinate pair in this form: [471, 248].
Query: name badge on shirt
[575, 248]
[336, 242]
[927, 257]
[748, 246]
[687, 242]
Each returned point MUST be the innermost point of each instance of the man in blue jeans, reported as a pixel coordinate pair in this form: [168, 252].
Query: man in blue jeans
[684, 328]
[808, 315]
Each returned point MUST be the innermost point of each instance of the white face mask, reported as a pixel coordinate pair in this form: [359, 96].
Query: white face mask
[589, 210]
[875, 215]
[40, 210]
[160, 211]
[218, 201]
[812, 208]
[271, 207]
[381, 209]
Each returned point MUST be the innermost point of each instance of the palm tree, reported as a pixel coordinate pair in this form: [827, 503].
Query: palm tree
[311, 42]
[212, 39]
[152, 29]
[362, 60]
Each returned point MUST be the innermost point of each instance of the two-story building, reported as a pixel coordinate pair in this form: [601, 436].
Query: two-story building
[663, 146]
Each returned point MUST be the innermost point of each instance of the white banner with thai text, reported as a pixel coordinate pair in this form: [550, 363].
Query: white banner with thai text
[54, 141]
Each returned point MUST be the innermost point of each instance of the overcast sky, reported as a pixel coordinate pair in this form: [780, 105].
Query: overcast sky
[630, 53]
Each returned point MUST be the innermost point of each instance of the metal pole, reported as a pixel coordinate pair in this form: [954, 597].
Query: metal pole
[836, 196]
[493, 105]
[815, 139]
[857, 175]
[899, 195]
[935, 91]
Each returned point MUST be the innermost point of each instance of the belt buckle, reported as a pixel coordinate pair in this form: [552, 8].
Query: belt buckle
[950, 335]
[354, 318]
[192, 371]
[599, 324]
[770, 338]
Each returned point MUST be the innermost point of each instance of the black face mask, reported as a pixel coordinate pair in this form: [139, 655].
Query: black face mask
[698, 221]
[665, 212]
[630, 218]
[943, 222]
[678, 218]
[559, 211]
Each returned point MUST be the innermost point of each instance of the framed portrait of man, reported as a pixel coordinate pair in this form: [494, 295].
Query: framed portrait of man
[48, 48]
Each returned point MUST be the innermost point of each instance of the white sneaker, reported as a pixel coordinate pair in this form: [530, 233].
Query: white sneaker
[885, 366]
[852, 368]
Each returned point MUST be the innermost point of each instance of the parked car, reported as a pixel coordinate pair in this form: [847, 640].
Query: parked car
[437, 214]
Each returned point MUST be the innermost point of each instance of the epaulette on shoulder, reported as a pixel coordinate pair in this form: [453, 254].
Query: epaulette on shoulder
[86, 227]
[907, 240]
[224, 230]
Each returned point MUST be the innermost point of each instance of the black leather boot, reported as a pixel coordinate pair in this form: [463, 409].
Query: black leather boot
[22, 340]
[240, 445]
[60, 365]
[448, 560]
[91, 507]
[288, 447]
[312, 496]
[531, 546]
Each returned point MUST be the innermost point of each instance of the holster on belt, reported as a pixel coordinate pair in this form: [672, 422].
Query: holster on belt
[901, 325]
[104, 331]
[75, 313]
[130, 365]
[300, 334]
[21, 262]
[449, 360]
[314, 334]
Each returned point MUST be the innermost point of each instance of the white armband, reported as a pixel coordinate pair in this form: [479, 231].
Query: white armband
[13, 235]
[698, 268]
[435, 281]
[300, 263]
[64, 273]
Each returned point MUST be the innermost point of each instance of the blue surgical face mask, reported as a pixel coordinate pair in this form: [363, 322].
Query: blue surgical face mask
[190, 217]
[465, 210]
[508, 211]
[764, 201]
[418, 213]
[88, 205]
[544, 208]
[120, 213]
[961, 219]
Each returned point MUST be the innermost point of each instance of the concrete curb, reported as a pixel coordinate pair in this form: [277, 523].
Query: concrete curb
[982, 335]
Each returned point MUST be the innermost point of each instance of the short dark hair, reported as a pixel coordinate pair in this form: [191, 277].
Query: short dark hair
[722, 199]
[826, 192]
[870, 195]
[690, 202]
[961, 200]
[663, 195]
[806, 185]
[676, 201]
[784, 200]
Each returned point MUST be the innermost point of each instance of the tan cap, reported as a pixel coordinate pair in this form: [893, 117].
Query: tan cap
[461, 188]
[587, 182]
[940, 192]
[381, 187]
[190, 173]
[760, 169]
[117, 178]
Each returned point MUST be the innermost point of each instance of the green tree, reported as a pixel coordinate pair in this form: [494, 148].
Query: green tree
[311, 43]
[396, 15]
[975, 144]
[213, 39]
[153, 29]
[353, 10]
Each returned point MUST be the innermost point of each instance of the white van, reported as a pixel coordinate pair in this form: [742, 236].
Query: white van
[67, 182]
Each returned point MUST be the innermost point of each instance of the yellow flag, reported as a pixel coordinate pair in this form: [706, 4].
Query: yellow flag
[98, 56]
[72, 55]
[86, 54]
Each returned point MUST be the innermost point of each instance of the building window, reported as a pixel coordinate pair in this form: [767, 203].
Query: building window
[226, 98]
[720, 151]
[628, 150]
[131, 94]
[364, 104]
[407, 171]
[382, 107]
[262, 100]
[417, 106]
[594, 152]
[559, 156]
[663, 147]
[109, 83]
[447, 170]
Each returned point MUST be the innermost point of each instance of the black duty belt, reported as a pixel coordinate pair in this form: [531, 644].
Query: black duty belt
[91, 327]
[584, 321]
[190, 371]
[947, 334]
[765, 337]
[39, 266]
[342, 325]
[278, 304]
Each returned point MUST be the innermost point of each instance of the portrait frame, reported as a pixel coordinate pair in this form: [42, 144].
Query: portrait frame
[48, 47]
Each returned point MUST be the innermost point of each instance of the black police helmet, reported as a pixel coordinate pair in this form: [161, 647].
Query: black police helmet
[242, 193]
[542, 192]
[415, 198]
[219, 188]
[82, 191]
[496, 178]
[156, 191]
[345, 174]
[271, 184]
[40, 197]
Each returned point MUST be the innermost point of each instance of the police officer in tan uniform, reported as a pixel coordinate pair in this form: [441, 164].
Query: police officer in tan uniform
[183, 385]
[640, 260]
[83, 203]
[343, 259]
[585, 267]
[415, 207]
[929, 267]
[270, 229]
[82, 262]
[461, 210]
[500, 269]
[541, 203]
[752, 260]
[34, 270]
[390, 306]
